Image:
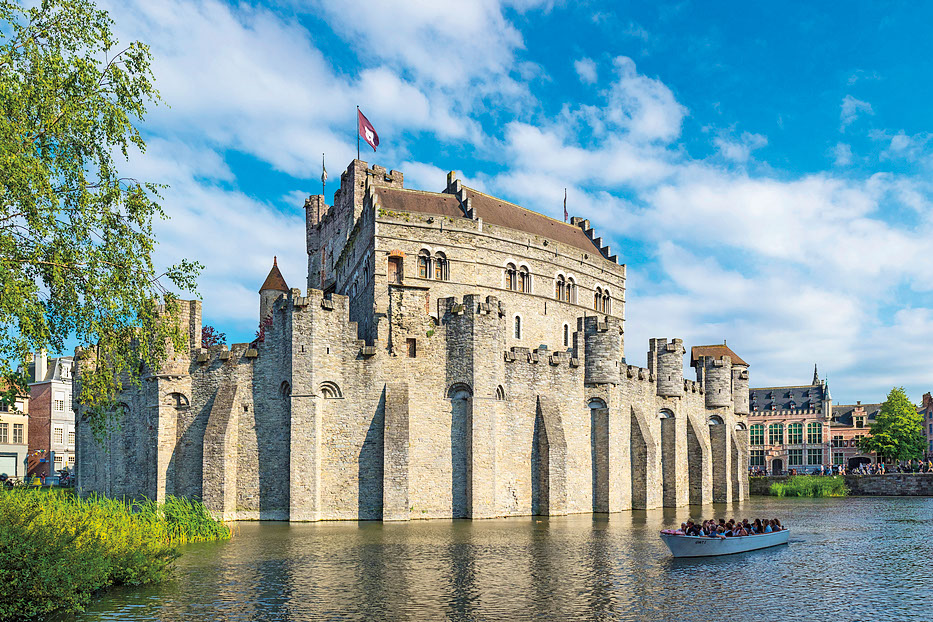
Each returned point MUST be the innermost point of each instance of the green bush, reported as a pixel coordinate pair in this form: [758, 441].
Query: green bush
[810, 486]
[56, 550]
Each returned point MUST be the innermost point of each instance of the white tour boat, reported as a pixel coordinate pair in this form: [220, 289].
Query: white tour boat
[703, 546]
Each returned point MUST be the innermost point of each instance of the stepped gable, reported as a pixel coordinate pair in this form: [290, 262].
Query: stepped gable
[504, 214]
[274, 281]
[402, 200]
[716, 351]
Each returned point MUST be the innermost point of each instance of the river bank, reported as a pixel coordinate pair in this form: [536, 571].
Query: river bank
[888, 485]
[57, 550]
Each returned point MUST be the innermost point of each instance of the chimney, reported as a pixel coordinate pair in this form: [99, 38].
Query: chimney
[42, 365]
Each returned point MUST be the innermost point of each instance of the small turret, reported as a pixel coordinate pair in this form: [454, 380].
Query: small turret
[816, 376]
[666, 360]
[273, 287]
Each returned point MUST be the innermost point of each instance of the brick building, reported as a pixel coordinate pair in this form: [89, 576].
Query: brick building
[52, 418]
[453, 355]
[14, 436]
[788, 426]
[926, 410]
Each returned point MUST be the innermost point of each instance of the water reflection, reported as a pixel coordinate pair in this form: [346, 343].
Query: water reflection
[849, 559]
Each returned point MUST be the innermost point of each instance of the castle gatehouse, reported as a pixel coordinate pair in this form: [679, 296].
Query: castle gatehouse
[452, 356]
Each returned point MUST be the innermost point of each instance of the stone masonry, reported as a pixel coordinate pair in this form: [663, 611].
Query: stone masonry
[453, 356]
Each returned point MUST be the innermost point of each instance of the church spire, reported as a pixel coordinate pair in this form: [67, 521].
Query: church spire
[816, 376]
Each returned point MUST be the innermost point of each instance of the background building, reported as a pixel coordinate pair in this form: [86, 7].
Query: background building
[14, 436]
[52, 419]
[850, 423]
[926, 409]
[788, 426]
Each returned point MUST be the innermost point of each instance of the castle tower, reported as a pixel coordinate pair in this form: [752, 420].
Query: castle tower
[717, 380]
[603, 339]
[666, 360]
[740, 388]
[273, 287]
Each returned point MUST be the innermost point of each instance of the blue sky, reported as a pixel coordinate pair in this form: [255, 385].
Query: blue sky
[762, 168]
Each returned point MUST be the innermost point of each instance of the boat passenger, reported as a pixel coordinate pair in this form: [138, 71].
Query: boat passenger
[768, 527]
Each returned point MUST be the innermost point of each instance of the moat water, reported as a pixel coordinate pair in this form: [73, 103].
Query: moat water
[848, 559]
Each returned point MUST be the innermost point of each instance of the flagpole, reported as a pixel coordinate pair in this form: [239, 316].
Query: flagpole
[323, 178]
[357, 132]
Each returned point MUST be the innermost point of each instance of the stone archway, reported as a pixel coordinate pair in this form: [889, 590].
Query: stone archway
[461, 437]
[668, 458]
[599, 450]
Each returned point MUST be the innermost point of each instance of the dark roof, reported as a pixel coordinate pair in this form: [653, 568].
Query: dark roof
[716, 351]
[842, 413]
[274, 281]
[504, 214]
[493, 211]
[786, 398]
[397, 199]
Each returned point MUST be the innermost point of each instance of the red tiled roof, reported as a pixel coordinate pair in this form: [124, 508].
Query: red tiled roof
[716, 351]
[274, 281]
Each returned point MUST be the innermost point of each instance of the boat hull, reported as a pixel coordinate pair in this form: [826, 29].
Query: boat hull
[694, 546]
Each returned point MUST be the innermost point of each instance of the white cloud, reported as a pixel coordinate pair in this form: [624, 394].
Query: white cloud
[842, 154]
[644, 106]
[586, 70]
[851, 109]
[739, 149]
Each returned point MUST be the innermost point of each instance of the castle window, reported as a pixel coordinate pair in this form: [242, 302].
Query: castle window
[412, 348]
[560, 287]
[441, 267]
[597, 298]
[606, 302]
[570, 291]
[424, 265]
[566, 335]
[330, 390]
[395, 270]
[518, 327]
[285, 391]
[524, 280]
[510, 276]
[500, 393]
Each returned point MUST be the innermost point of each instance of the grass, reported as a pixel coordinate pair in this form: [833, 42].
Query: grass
[57, 550]
[810, 486]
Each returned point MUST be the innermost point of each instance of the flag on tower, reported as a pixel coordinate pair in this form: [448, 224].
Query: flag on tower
[324, 170]
[367, 131]
[566, 215]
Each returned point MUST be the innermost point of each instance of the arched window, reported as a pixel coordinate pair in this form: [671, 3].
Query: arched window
[330, 390]
[814, 432]
[606, 302]
[178, 400]
[570, 292]
[285, 391]
[560, 285]
[441, 267]
[756, 434]
[524, 280]
[740, 427]
[715, 420]
[597, 298]
[776, 434]
[395, 270]
[665, 414]
[518, 327]
[795, 433]
[424, 264]
[566, 335]
[510, 276]
[500, 393]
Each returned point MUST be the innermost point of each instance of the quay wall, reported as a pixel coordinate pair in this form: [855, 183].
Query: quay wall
[888, 485]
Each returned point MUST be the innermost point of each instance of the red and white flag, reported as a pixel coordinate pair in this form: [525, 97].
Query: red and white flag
[367, 131]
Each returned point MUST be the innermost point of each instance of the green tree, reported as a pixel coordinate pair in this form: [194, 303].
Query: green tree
[76, 238]
[897, 432]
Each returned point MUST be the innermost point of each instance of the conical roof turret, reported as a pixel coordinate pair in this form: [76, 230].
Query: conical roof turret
[816, 376]
[275, 281]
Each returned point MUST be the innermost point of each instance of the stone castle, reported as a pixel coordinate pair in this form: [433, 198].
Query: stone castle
[453, 355]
